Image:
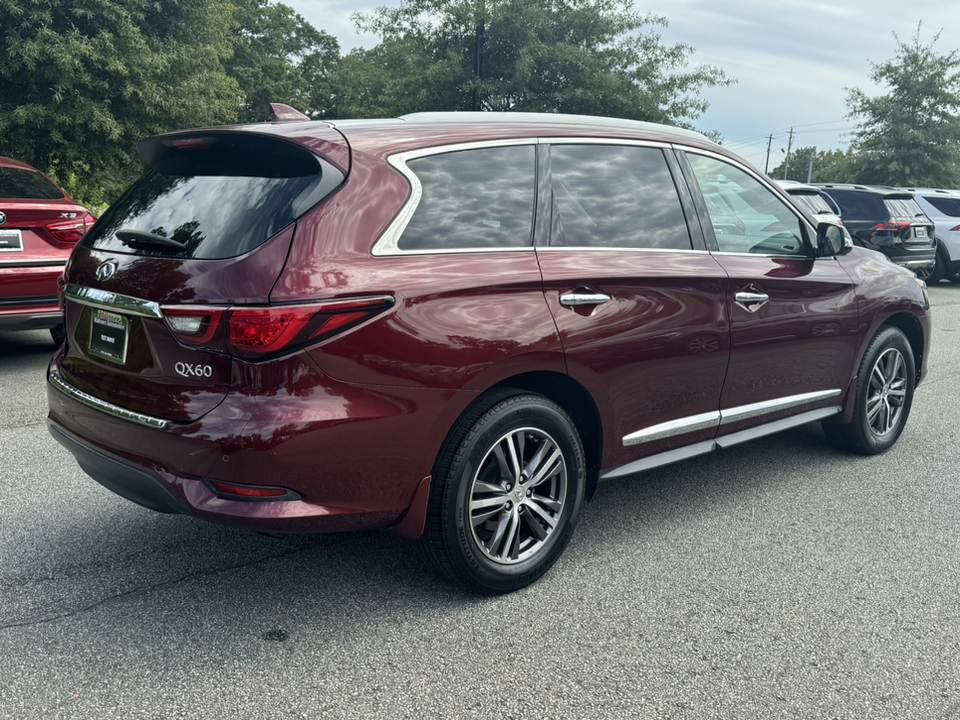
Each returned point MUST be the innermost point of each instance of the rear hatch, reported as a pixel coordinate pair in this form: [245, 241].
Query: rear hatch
[907, 220]
[204, 231]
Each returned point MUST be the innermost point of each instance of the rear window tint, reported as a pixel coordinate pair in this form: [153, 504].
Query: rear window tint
[218, 202]
[903, 208]
[19, 184]
[947, 205]
[814, 202]
[858, 205]
[480, 198]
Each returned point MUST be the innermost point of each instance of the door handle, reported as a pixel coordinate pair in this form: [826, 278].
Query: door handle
[576, 299]
[750, 299]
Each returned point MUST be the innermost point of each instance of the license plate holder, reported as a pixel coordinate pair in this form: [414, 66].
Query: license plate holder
[108, 336]
[11, 240]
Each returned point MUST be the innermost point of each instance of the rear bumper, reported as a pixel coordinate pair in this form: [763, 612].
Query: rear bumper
[308, 448]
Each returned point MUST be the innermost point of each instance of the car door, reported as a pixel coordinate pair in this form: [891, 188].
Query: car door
[638, 300]
[793, 316]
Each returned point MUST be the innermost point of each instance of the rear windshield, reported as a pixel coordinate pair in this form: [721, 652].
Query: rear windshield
[903, 208]
[947, 205]
[19, 184]
[218, 201]
[814, 202]
[859, 205]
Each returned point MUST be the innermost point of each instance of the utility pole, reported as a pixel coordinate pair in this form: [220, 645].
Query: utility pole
[766, 165]
[478, 62]
[786, 162]
[810, 169]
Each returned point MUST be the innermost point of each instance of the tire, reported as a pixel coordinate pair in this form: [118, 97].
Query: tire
[936, 273]
[885, 387]
[58, 334]
[486, 531]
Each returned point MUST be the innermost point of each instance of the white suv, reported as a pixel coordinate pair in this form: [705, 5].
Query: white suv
[943, 208]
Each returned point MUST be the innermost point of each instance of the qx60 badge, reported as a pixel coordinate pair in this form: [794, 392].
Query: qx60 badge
[188, 370]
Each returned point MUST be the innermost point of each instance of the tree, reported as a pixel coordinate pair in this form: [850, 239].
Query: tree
[279, 57]
[82, 82]
[571, 56]
[911, 135]
[828, 166]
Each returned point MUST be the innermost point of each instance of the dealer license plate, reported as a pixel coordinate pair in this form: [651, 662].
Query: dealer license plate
[10, 240]
[108, 336]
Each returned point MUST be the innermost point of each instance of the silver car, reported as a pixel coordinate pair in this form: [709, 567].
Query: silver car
[943, 208]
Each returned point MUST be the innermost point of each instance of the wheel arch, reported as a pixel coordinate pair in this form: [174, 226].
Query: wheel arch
[910, 326]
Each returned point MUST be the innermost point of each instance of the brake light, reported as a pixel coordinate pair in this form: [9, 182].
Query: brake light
[256, 332]
[261, 331]
[955, 229]
[891, 226]
[72, 230]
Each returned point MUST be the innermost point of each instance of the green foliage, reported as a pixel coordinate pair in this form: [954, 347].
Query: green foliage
[82, 82]
[828, 166]
[911, 135]
[279, 57]
[570, 56]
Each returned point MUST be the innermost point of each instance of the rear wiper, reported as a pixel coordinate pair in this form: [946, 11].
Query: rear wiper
[146, 240]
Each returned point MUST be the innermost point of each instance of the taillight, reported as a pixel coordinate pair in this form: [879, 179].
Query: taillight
[891, 226]
[72, 230]
[955, 229]
[256, 332]
[194, 325]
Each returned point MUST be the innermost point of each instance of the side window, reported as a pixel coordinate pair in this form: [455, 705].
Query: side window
[615, 196]
[480, 198]
[746, 216]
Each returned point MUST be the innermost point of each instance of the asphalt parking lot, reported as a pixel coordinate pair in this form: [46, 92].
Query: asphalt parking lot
[778, 579]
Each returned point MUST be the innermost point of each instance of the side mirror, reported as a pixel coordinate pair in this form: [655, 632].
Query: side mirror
[831, 239]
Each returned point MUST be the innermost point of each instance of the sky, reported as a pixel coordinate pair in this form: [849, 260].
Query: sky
[794, 60]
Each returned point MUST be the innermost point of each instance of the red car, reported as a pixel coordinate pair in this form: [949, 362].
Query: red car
[39, 227]
[454, 326]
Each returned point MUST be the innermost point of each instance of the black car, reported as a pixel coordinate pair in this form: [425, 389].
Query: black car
[887, 220]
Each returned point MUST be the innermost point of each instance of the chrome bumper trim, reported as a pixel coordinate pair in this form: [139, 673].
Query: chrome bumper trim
[90, 401]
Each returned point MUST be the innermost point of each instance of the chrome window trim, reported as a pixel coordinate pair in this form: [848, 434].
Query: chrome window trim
[106, 300]
[388, 244]
[720, 418]
[70, 391]
[588, 248]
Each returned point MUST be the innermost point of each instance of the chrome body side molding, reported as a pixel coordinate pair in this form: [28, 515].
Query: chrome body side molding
[724, 417]
[723, 441]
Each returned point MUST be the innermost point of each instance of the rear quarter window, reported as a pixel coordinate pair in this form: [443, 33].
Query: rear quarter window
[473, 199]
[218, 201]
[947, 205]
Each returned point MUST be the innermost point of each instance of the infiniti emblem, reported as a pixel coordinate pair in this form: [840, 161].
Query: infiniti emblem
[106, 270]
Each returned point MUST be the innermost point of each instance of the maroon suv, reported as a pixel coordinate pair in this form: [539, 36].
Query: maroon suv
[453, 326]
